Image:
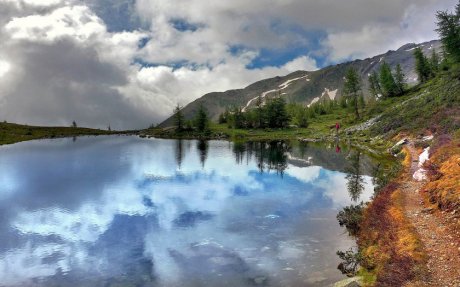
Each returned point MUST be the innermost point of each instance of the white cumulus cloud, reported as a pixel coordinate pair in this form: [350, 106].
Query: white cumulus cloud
[69, 60]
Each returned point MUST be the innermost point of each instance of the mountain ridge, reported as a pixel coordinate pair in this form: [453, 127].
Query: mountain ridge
[325, 82]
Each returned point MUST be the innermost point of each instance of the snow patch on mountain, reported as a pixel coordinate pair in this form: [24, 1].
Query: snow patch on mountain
[330, 93]
[421, 46]
[287, 83]
[315, 100]
[280, 87]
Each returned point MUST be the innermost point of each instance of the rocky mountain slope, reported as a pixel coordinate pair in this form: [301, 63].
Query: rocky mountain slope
[307, 87]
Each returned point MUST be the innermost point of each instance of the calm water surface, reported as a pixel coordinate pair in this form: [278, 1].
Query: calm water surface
[125, 211]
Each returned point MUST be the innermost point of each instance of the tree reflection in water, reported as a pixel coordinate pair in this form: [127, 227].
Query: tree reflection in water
[269, 155]
[179, 152]
[351, 216]
[355, 180]
[202, 147]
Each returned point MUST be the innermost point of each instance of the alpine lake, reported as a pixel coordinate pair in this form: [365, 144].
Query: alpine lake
[130, 211]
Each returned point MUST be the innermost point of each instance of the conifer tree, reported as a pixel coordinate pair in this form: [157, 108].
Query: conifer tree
[387, 81]
[343, 101]
[400, 79]
[374, 84]
[352, 88]
[178, 118]
[449, 32]
[422, 65]
[259, 112]
[201, 119]
[276, 113]
[434, 62]
[361, 101]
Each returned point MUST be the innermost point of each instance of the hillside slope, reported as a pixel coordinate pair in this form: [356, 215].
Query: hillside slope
[409, 230]
[306, 87]
[12, 133]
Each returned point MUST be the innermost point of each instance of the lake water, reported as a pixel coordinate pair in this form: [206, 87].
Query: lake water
[126, 211]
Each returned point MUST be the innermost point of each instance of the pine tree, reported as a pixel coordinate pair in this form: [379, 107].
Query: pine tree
[259, 112]
[236, 118]
[374, 84]
[449, 32]
[361, 101]
[400, 79]
[387, 81]
[434, 62]
[343, 102]
[178, 118]
[301, 117]
[201, 119]
[276, 113]
[422, 65]
[222, 119]
[352, 88]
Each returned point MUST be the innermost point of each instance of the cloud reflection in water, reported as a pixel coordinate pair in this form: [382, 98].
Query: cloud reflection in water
[112, 210]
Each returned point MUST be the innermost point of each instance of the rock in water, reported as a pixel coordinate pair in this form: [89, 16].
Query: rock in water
[350, 282]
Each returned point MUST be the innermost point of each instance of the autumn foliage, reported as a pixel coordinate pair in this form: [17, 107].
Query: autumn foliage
[443, 189]
[389, 245]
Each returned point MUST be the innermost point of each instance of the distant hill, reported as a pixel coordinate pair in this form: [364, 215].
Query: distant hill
[307, 87]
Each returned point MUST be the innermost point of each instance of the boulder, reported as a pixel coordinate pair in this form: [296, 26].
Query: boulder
[350, 282]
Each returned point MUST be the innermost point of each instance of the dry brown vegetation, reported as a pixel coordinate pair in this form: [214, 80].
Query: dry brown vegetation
[389, 245]
[443, 189]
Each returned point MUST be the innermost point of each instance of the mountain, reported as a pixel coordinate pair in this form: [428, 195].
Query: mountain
[307, 87]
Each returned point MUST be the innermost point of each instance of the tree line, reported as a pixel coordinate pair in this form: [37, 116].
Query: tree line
[271, 114]
[199, 123]
[383, 83]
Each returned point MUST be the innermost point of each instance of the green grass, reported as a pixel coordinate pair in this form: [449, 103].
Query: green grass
[321, 128]
[13, 133]
[433, 106]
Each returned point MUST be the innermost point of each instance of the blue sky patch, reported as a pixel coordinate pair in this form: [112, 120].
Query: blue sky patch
[308, 41]
[183, 25]
[118, 15]
[143, 42]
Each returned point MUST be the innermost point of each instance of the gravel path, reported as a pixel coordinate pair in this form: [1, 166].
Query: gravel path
[438, 231]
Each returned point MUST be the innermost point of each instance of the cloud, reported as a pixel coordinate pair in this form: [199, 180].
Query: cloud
[42, 2]
[127, 63]
[353, 28]
[65, 66]
[76, 22]
[135, 201]
[304, 63]
[416, 24]
[4, 68]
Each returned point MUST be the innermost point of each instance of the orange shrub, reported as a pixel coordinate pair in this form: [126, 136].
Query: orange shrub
[444, 173]
[388, 243]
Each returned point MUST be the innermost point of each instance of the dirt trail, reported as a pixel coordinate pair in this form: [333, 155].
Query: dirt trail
[437, 232]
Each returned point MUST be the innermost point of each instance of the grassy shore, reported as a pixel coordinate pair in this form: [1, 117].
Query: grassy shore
[13, 133]
[320, 128]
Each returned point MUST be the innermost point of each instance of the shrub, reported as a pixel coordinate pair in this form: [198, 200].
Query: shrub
[351, 217]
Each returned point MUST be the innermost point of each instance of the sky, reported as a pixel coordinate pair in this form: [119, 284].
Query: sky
[128, 63]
